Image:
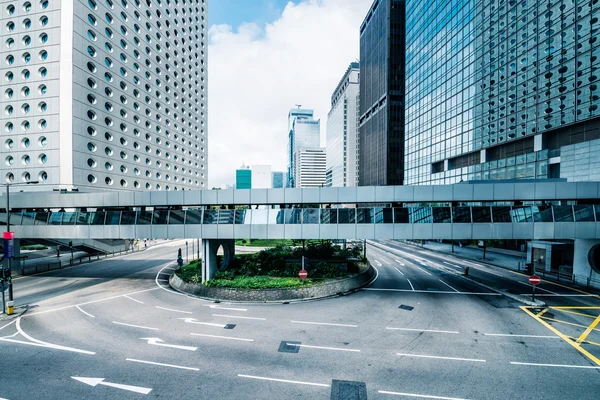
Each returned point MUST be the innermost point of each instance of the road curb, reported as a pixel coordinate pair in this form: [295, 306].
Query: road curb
[20, 310]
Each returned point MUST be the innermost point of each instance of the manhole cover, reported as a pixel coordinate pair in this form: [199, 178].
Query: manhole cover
[229, 326]
[289, 346]
[348, 390]
[405, 307]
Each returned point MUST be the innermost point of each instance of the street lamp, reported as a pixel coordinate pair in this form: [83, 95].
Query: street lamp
[10, 288]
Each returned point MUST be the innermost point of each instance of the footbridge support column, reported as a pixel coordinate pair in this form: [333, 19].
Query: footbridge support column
[586, 262]
[210, 247]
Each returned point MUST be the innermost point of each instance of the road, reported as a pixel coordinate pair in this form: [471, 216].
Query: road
[114, 329]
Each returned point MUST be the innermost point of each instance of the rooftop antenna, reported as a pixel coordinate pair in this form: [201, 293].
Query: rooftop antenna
[299, 106]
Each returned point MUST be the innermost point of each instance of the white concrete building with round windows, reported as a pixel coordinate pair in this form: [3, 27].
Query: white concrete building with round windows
[104, 94]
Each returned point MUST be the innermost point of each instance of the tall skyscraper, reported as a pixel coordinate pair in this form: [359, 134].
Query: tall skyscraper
[261, 177]
[303, 132]
[310, 168]
[243, 177]
[342, 130]
[277, 180]
[504, 90]
[104, 94]
[382, 57]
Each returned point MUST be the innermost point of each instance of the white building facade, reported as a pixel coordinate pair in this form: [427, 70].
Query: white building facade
[304, 132]
[261, 177]
[342, 130]
[310, 168]
[104, 94]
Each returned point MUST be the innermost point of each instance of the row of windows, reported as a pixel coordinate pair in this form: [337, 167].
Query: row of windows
[27, 7]
[25, 159]
[25, 142]
[123, 182]
[26, 177]
[25, 125]
[10, 25]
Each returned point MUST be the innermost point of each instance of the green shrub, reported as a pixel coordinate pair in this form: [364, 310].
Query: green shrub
[258, 282]
[34, 247]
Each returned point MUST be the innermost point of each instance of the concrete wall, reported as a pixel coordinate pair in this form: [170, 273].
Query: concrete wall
[266, 295]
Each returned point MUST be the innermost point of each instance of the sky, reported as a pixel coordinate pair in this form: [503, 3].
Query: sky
[264, 57]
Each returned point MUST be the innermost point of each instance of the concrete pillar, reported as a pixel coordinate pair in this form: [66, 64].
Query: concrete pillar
[583, 273]
[210, 247]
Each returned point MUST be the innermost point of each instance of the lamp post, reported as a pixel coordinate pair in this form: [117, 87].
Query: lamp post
[10, 287]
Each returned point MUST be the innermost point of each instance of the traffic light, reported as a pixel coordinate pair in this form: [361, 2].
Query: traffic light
[70, 244]
[179, 253]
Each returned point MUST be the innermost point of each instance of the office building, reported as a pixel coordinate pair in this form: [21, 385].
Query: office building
[104, 94]
[382, 81]
[501, 90]
[304, 132]
[261, 177]
[243, 177]
[277, 180]
[342, 130]
[310, 168]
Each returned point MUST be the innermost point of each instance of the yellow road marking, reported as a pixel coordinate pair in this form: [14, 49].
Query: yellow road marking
[588, 330]
[542, 312]
[576, 307]
[585, 341]
[573, 312]
[567, 323]
[562, 336]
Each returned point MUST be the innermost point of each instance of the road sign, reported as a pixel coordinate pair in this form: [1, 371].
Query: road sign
[303, 274]
[535, 280]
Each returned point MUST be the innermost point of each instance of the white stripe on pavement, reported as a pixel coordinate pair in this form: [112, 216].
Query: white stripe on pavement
[399, 262]
[378, 263]
[419, 330]
[161, 364]
[399, 271]
[433, 292]
[422, 396]
[282, 380]
[86, 313]
[170, 309]
[135, 326]
[222, 337]
[554, 365]
[422, 269]
[131, 298]
[449, 286]
[322, 347]
[516, 335]
[439, 357]
[323, 323]
[235, 316]
[411, 285]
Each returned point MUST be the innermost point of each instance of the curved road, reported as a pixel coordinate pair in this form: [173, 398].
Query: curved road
[420, 330]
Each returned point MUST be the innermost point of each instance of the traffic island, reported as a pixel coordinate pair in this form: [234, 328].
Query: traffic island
[311, 290]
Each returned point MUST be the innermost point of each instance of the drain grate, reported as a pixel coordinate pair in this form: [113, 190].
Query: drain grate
[405, 307]
[229, 326]
[348, 390]
[287, 346]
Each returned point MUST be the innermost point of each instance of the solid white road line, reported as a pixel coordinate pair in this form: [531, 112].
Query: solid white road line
[554, 365]
[449, 286]
[399, 271]
[399, 262]
[439, 357]
[323, 323]
[433, 292]
[224, 308]
[131, 298]
[452, 265]
[235, 316]
[86, 313]
[282, 380]
[422, 396]
[515, 335]
[10, 323]
[411, 285]
[378, 263]
[170, 309]
[421, 269]
[136, 326]
[539, 288]
[222, 337]
[323, 348]
[86, 303]
[162, 365]
[194, 321]
[420, 330]
[37, 342]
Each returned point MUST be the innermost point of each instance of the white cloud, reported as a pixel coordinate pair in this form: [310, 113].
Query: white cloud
[256, 74]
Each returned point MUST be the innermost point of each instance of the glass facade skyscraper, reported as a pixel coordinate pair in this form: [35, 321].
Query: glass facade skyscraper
[382, 81]
[304, 132]
[495, 88]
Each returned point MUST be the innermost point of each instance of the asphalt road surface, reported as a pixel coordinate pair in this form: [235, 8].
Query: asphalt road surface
[114, 329]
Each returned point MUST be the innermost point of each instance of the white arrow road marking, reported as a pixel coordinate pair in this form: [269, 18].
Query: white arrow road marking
[193, 321]
[400, 262]
[159, 342]
[100, 381]
[378, 263]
